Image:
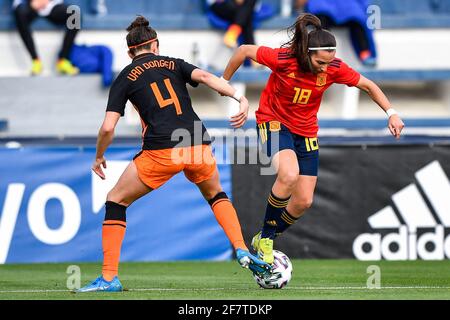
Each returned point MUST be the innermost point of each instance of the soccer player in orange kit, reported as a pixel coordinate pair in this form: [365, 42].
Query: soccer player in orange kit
[156, 86]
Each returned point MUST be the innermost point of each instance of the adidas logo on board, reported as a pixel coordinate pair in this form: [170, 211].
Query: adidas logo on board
[424, 206]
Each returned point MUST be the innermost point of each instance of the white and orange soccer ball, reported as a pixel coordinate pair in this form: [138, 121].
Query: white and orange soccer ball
[281, 272]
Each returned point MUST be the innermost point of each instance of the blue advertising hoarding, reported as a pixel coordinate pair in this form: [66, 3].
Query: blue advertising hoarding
[52, 209]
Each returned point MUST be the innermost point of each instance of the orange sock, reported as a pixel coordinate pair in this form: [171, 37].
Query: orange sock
[113, 232]
[227, 217]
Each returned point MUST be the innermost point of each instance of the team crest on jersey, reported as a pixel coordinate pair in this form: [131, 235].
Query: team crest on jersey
[274, 126]
[321, 80]
[291, 75]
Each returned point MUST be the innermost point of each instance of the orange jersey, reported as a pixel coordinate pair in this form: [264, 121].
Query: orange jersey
[293, 97]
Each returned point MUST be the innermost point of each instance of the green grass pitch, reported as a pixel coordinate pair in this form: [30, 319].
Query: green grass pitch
[312, 279]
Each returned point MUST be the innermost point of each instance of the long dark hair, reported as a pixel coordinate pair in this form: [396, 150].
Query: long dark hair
[139, 31]
[301, 39]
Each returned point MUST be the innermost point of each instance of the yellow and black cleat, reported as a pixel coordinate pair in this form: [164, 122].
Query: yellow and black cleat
[264, 248]
[36, 67]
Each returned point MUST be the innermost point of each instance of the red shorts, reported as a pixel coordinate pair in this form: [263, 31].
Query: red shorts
[156, 167]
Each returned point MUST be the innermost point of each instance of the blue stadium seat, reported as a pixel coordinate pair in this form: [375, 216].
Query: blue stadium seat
[190, 14]
[265, 12]
[275, 4]
[392, 7]
[122, 7]
[5, 8]
[441, 6]
[414, 13]
[3, 125]
[146, 7]
[413, 7]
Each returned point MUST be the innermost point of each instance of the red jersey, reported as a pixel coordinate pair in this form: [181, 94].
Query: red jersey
[293, 97]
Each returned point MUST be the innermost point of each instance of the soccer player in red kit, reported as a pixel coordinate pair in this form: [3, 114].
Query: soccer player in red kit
[302, 70]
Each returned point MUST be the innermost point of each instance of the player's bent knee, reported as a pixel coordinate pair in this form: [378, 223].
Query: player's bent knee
[111, 196]
[288, 179]
[305, 204]
[299, 207]
[115, 197]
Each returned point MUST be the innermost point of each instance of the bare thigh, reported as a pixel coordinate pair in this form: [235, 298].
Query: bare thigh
[129, 188]
[286, 165]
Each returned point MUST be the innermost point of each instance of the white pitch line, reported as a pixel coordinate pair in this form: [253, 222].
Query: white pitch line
[32, 291]
[365, 288]
[240, 289]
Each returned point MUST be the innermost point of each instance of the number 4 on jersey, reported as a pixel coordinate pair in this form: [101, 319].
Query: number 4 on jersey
[166, 102]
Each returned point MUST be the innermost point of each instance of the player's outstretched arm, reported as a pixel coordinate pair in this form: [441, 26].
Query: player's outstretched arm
[396, 124]
[243, 52]
[215, 83]
[222, 87]
[104, 139]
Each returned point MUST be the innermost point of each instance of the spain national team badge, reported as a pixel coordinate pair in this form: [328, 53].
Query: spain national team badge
[321, 79]
[274, 126]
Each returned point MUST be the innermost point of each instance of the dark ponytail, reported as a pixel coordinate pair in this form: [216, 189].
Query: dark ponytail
[139, 31]
[301, 39]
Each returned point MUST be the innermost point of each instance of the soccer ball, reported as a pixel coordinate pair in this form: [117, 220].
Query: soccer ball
[281, 272]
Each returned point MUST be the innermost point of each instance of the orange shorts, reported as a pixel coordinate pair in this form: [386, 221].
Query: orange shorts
[156, 167]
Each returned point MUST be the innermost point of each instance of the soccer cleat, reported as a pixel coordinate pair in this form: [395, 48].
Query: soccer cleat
[100, 284]
[367, 59]
[36, 67]
[64, 66]
[249, 261]
[265, 251]
[230, 41]
[369, 62]
[264, 248]
[231, 36]
[255, 241]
